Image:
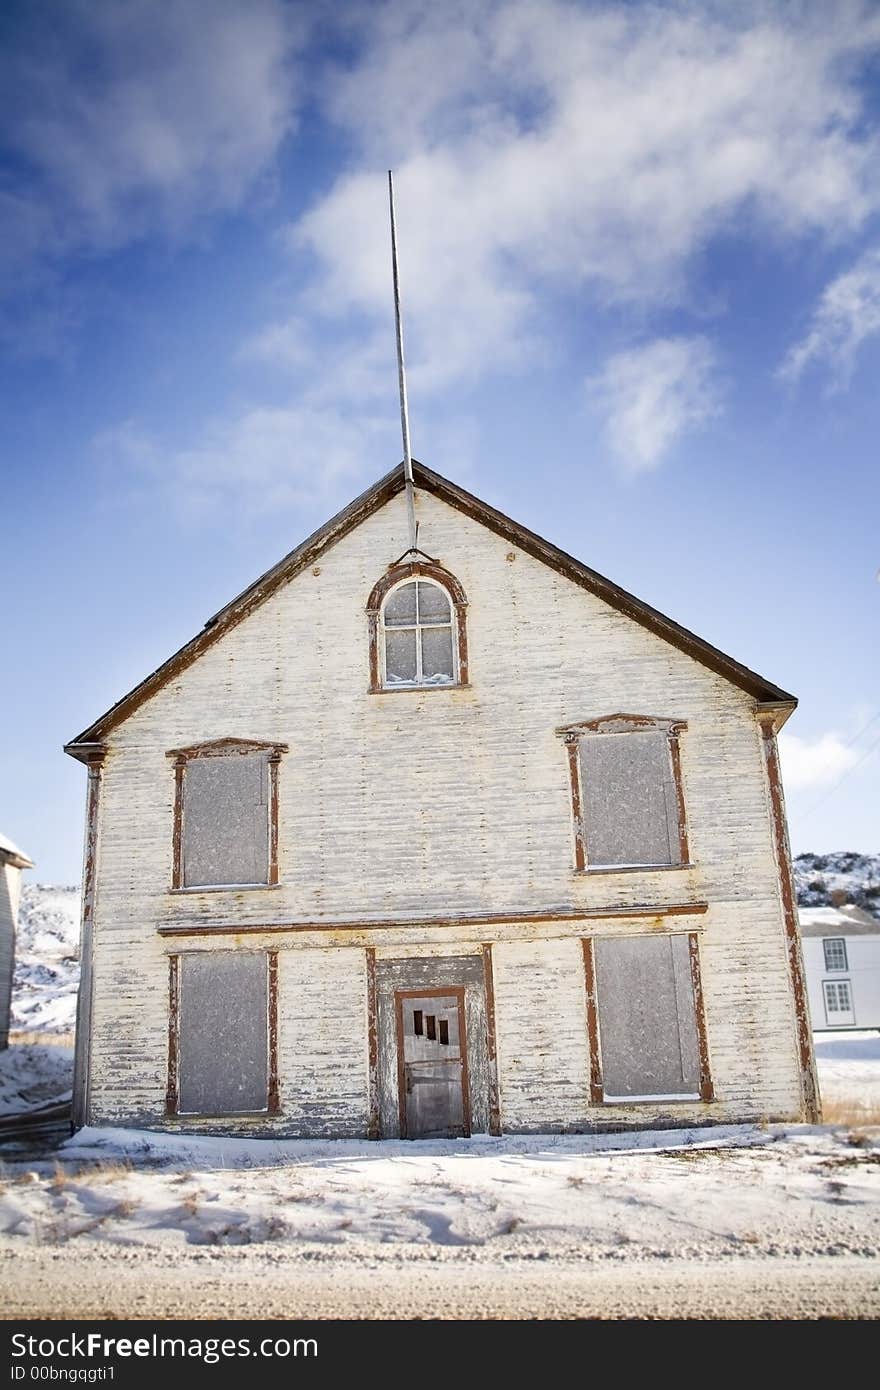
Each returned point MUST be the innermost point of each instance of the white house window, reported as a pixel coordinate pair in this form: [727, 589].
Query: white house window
[838, 1001]
[418, 634]
[835, 953]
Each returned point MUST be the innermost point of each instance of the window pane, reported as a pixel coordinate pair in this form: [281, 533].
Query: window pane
[835, 953]
[630, 807]
[226, 820]
[400, 610]
[437, 665]
[400, 656]
[647, 1024]
[433, 604]
[223, 1033]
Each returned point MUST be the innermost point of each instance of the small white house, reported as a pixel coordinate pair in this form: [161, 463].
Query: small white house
[842, 960]
[12, 861]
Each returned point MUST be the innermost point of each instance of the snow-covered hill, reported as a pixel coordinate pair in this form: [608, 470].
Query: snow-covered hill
[832, 880]
[46, 959]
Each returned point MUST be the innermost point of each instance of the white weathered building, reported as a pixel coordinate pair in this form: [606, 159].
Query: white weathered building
[12, 861]
[842, 961]
[410, 843]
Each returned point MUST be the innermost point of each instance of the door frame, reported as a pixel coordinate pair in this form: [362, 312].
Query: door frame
[446, 992]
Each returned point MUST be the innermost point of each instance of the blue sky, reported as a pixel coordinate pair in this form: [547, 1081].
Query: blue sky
[640, 254]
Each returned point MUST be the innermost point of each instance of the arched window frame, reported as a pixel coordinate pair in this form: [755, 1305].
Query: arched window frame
[574, 736]
[391, 580]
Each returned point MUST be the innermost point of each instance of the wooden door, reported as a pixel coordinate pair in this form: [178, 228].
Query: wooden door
[432, 1064]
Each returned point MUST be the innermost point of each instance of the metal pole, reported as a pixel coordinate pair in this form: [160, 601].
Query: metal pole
[401, 376]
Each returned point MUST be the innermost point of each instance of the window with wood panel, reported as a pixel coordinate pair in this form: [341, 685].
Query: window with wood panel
[223, 1032]
[648, 1021]
[627, 793]
[226, 815]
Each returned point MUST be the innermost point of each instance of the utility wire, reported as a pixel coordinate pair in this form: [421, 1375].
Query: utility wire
[867, 753]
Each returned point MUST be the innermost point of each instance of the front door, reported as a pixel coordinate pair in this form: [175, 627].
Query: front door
[432, 1064]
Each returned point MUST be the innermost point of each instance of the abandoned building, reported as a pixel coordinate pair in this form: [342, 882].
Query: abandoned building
[12, 861]
[440, 841]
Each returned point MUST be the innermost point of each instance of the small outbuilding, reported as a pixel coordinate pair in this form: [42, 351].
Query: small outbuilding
[12, 861]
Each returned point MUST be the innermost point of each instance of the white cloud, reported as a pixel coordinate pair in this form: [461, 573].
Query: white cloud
[813, 764]
[652, 395]
[549, 145]
[256, 462]
[131, 117]
[847, 314]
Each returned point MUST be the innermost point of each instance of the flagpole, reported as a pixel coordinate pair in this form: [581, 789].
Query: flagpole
[401, 376]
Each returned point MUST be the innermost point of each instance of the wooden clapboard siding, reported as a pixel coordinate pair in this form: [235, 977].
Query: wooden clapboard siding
[411, 805]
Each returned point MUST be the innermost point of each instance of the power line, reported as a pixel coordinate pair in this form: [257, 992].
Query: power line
[867, 753]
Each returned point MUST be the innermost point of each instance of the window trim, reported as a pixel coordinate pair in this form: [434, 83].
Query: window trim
[573, 736]
[220, 748]
[394, 576]
[829, 1013]
[594, 1041]
[172, 1090]
[834, 940]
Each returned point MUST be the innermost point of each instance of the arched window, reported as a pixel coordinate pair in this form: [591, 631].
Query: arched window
[418, 638]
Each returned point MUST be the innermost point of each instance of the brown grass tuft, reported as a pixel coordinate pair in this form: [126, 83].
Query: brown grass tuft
[846, 1109]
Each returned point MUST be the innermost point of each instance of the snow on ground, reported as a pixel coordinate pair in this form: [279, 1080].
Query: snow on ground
[32, 1076]
[46, 959]
[780, 1192]
[849, 1067]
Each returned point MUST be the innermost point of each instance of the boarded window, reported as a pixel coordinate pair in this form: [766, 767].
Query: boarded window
[835, 953]
[647, 1022]
[226, 820]
[223, 1033]
[630, 801]
[418, 635]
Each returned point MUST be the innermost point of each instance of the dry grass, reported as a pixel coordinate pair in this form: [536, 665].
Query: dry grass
[28, 1038]
[190, 1204]
[846, 1109]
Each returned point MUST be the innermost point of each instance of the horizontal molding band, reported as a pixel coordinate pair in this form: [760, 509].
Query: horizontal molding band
[481, 919]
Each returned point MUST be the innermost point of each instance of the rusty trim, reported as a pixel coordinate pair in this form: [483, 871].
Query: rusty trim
[172, 1091]
[809, 1085]
[223, 747]
[572, 746]
[707, 1089]
[395, 575]
[373, 1114]
[477, 920]
[491, 1041]
[597, 1090]
[459, 993]
[678, 781]
[85, 996]
[623, 723]
[177, 834]
[273, 1103]
[274, 761]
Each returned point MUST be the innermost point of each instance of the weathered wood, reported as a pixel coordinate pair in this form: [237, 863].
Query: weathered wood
[809, 1083]
[491, 1041]
[373, 1129]
[597, 1091]
[428, 828]
[486, 919]
[82, 1069]
[707, 1089]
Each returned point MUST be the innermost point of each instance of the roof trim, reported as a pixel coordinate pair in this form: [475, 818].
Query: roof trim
[764, 692]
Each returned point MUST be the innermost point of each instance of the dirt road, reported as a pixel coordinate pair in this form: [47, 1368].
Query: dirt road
[103, 1282]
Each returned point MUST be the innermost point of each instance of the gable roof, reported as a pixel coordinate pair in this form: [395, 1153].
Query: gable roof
[11, 854]
[357, 511]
